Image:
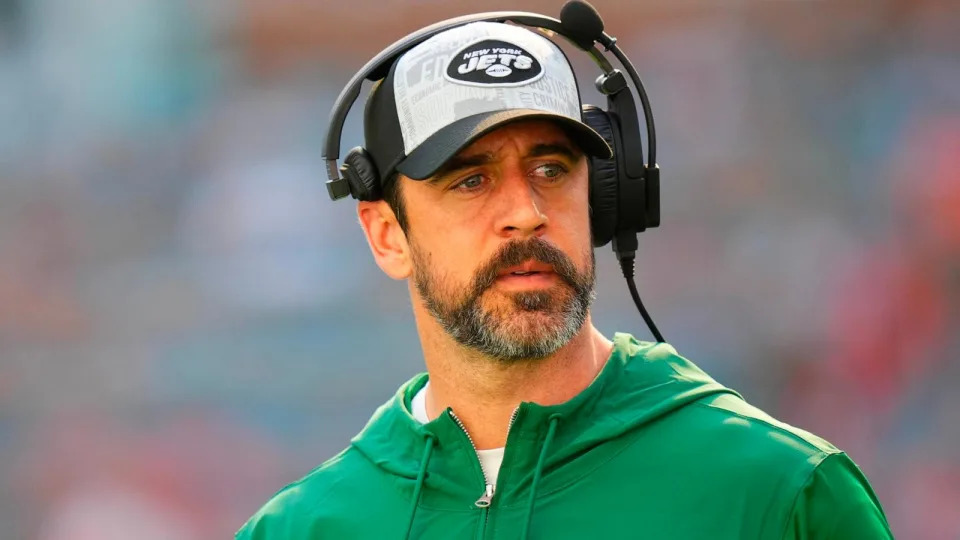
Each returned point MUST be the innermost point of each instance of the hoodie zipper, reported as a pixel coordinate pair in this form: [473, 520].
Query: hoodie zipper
[488, 489]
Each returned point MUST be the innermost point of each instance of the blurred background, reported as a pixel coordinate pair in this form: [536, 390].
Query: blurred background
[187, 323]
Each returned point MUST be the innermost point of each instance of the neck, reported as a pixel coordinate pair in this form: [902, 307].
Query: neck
[484, 392]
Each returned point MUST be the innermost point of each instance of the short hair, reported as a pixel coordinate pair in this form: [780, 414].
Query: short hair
[394, 197]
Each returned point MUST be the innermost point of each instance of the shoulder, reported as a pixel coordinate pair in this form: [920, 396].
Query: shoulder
[739, 448]
[742, 442]
[703, 414]
[815, 487]
[837, 501]
[743, 426]
[711, 424]
[295, 510]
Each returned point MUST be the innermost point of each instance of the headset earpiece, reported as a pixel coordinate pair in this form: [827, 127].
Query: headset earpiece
[360, 173]
[603, 178]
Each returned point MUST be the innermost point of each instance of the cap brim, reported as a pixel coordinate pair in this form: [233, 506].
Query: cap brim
[426, 159]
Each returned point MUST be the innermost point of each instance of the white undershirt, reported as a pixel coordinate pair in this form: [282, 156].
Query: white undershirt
[490, 459]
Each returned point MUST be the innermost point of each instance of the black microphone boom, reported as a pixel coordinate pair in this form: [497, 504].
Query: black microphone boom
[581, 23]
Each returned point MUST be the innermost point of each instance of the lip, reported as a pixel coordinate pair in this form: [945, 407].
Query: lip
[527, 266]
[542, 277]
[541, 280]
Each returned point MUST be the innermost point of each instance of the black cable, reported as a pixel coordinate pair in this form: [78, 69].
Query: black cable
[626, 265]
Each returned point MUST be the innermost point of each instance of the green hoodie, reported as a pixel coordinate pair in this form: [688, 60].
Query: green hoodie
[653, 448]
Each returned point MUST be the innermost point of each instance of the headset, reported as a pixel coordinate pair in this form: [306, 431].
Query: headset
[624, 191]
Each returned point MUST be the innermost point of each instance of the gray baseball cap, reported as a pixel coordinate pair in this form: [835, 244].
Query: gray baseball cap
[459, 85]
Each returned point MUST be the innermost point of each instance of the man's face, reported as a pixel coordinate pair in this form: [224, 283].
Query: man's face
[500, 242]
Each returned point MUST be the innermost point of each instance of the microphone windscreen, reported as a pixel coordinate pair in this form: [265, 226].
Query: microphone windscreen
[581, 23]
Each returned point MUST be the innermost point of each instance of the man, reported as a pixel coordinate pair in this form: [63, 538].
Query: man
[530, 423]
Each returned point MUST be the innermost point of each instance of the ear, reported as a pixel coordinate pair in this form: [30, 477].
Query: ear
[388, 242]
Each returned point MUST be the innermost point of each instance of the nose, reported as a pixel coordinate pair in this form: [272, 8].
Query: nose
[521, 207]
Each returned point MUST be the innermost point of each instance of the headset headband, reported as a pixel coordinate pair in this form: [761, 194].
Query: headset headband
[377, 67]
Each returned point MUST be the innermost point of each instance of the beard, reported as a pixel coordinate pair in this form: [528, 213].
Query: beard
[530, 325]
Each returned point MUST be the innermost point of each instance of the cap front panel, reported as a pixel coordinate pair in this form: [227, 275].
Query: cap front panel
[478, 68]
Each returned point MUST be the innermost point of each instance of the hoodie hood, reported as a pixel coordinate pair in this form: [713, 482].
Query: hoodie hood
[640, 383]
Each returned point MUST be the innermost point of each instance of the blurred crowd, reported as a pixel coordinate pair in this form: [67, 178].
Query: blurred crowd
[187, 323]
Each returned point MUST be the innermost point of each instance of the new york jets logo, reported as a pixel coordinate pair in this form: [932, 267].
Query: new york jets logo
[493, 62]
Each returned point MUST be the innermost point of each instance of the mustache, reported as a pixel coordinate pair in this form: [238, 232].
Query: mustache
[519, 251]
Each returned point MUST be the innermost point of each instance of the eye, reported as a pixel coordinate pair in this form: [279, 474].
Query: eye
[469, 183]
[550, 170]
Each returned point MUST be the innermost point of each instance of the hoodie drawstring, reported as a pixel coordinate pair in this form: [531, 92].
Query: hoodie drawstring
[551, 430]
[421, 476]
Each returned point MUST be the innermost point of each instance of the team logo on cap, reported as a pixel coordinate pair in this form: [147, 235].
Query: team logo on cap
[493, 62]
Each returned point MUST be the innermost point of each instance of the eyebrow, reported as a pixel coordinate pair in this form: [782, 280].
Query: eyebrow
[564, 150]
[458, 163]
